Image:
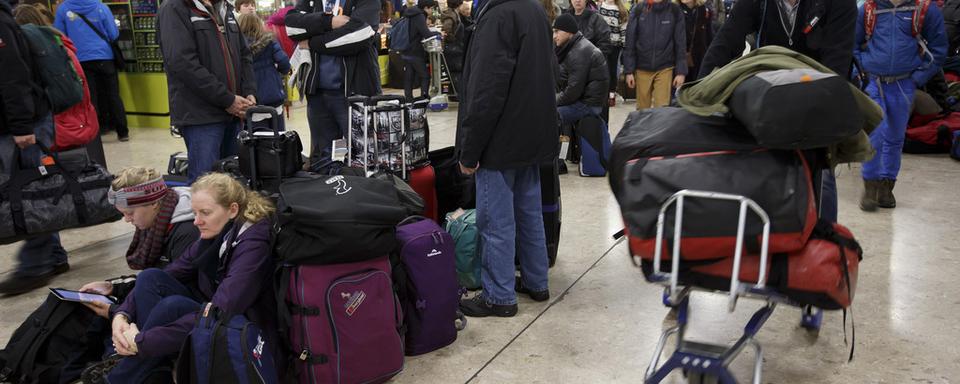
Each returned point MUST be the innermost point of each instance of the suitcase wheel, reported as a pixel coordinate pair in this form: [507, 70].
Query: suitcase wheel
[811, 318]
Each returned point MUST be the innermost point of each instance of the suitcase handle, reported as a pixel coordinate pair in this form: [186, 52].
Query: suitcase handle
[247, 134]
[373, 101]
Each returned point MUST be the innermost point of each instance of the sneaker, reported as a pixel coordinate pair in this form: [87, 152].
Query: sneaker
[479, 307]
[97, 372]
[123, 138]
[536, 296]
[15, 285]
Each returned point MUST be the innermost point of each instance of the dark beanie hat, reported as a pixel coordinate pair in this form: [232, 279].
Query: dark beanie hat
[566, 23]
[426, 4]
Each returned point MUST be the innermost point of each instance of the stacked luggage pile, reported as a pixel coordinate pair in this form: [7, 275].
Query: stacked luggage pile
[745, 188]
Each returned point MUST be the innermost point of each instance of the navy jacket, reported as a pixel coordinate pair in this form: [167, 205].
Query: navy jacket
[270, 63]
[656, 39]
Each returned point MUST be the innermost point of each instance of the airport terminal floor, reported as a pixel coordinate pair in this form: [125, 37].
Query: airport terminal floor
[603, 320]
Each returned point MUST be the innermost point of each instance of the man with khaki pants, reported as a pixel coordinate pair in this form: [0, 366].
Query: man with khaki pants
[654, 56]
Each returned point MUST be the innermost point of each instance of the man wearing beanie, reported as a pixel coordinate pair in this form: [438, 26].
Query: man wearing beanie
[655, 53]
[507, 128]
[584, 80]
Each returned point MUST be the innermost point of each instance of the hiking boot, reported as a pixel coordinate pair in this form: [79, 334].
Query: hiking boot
[479, 307]
[562, 167]
[97, 372]
[15, 285]
[885, 197]
[871, 189]
[536, 296]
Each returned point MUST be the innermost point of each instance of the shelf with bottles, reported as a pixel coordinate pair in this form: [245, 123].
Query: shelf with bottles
[144, 6]
[151, 66]
[144, 22]
[146, 39]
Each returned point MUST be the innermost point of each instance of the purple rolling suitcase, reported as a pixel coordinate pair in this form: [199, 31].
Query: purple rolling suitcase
[346, 322]
[427, 285]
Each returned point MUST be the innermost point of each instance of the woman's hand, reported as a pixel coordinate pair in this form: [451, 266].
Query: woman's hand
[101, 309]
[103, 288]
[121, 325]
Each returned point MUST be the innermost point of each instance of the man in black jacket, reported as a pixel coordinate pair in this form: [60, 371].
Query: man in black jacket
[209, 77]
[507, 127]
[584, 79]
[415, 57]
[591, 24]
[343, 65]
[25, 119]
[820, 29]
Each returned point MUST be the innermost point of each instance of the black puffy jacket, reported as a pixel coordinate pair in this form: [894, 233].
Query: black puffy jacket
[656, 39]
[584, 75]
[594, 28]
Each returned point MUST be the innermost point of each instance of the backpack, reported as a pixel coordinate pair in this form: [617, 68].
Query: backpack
[426, 284]
[78, 125]
[919, 9]
[59, 79]
[224, 348]
[51, 345]
[399, 35]
[467, 238]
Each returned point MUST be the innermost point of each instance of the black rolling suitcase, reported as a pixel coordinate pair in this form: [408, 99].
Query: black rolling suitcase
[267, 156]
[550, 195]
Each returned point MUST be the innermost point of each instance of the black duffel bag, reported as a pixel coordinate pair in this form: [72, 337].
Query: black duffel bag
[796, 108]
[51, 198]
[337, 219]
[268, 153]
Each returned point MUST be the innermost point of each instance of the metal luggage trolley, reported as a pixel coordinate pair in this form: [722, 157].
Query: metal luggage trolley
[438, 66]
[708, 362]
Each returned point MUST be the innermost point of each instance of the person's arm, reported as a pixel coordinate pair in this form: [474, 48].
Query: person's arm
[679, 41]
[838, 37]
[934, 33]
[602, 31]
[489, 86]
[108, 23]
[182, 62]
[729, 42]
[629, 56]
[280, 58]
[578, 71]
[421, 30]
[16, 87]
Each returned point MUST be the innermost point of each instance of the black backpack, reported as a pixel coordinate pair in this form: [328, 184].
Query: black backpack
[52, 345]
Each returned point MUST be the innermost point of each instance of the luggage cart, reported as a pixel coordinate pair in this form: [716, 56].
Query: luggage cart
[438, 64]
[701, 362]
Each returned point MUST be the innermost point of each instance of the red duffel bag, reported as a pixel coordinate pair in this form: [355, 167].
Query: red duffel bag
[822, 274]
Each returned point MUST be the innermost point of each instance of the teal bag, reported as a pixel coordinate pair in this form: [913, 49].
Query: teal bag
[467, 240]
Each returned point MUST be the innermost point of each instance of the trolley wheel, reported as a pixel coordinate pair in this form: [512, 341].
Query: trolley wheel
[812, 318]
[701, 378]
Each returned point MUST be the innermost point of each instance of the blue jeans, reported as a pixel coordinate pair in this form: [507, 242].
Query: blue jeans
[207, 144]
[571, 114]
[160, 300]
[327, 116]
[510, 220]
[895, 99]
[39, 255]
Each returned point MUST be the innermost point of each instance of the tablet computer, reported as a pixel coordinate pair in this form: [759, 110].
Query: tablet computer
[82, 297]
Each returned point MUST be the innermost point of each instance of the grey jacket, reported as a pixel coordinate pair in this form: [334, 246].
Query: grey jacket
[207, 61]
[656, 39]
[584, 75]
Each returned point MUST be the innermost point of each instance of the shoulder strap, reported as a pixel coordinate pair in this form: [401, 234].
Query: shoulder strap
[919, 15]
[95, 30]
[869, 17]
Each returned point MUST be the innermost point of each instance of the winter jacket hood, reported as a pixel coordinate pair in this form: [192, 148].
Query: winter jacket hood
[584, 74]
[508, 113]
[892, 38]
[258, 45]
[203, 75]
[183, 212]
[656, 39]
[90, 46]
[829, 40]
[22, 101]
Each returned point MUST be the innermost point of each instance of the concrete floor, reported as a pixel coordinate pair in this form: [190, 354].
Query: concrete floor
[603, 320]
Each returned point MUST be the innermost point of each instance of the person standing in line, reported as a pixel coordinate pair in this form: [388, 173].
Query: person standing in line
[209, 77]
[415, 57]
[246, 7]
[699, 23]
[655, 52]
[507, 128]
[591, 25]
[269, 63]
[25, 120]
[91, 26]
[615, 14]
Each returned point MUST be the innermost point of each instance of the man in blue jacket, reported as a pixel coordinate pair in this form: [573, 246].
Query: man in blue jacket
[90, 24]
[901, 46]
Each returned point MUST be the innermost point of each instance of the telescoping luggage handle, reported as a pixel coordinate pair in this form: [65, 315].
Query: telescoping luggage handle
[674, 275]
[247, 134]
[372, 104]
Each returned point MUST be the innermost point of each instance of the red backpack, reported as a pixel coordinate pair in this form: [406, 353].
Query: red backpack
[919, 9]
[76, 126]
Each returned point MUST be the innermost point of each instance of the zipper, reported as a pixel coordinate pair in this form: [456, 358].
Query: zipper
[437, 240]
[305, 348]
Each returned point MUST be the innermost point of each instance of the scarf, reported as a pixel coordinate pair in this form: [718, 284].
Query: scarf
[146, 249]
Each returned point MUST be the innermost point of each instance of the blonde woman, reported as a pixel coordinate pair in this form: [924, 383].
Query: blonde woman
[230, 266]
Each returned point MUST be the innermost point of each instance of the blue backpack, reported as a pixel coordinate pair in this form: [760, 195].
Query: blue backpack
[225, 349]
[399, 35]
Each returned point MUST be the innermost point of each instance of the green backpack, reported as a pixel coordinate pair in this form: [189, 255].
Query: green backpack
[467, 240]
[60, 80]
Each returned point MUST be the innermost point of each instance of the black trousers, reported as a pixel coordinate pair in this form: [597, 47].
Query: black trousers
[415, 69]
[613, 64]
[105, 94]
